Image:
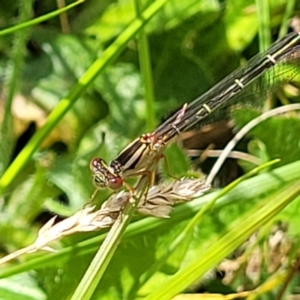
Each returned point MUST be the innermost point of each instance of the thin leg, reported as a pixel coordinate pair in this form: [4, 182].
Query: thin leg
[150, 176]
[94, 195]
[168, 168]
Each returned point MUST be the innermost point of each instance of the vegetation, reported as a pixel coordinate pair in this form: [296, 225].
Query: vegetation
[85, 80]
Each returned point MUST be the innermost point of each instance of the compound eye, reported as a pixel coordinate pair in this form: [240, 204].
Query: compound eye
[115, 183]
[100, 180]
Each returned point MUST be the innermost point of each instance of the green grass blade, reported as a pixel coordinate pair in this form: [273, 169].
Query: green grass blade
[105, 253]
[146, 70]
[13, 77]
[242, 229]
[263, 18]
[290, 6]
[247, 190]
[39, 19]
[66, 103]
[187, 232]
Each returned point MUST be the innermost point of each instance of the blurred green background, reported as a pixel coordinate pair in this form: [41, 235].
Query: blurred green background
[191, 45]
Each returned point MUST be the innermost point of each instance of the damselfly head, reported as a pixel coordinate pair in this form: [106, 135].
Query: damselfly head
[97, 164]
[103, 176]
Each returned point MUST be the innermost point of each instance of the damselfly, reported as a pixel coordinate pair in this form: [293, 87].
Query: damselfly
[136, 158]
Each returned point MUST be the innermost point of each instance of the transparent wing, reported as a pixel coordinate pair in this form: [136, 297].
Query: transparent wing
[283, 52]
